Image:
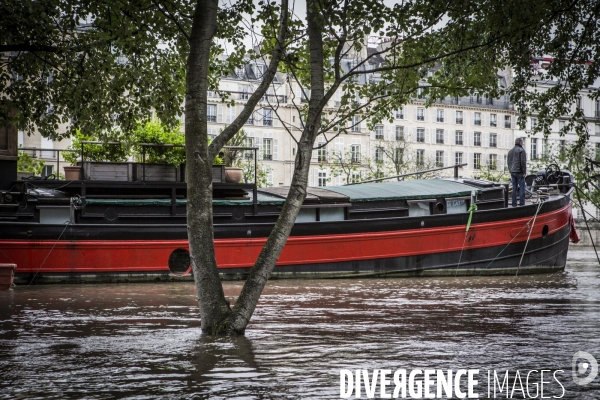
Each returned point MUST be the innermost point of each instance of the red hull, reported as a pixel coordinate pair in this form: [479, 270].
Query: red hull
[121, 256]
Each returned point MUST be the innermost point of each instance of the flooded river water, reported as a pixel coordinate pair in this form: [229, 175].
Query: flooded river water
[143, 341]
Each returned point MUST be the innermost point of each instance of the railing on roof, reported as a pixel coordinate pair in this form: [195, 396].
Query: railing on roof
[418, 174]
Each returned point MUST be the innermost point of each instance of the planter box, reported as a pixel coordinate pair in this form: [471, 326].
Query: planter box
[156, 172]
[7, 273]
[107, 171]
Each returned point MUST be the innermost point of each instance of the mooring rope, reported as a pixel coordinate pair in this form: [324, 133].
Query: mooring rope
[471, 210]
[48, 255]
[529, 235]
[586, 223]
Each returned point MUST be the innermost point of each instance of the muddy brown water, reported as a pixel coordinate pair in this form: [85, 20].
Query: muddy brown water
[143, 341]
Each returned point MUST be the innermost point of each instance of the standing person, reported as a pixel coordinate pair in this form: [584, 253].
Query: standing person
[517, 165]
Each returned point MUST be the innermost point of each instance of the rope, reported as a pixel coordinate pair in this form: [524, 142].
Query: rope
[529, 235]
[471, 210]
[505, 247]
[586, 223]
[48, 255]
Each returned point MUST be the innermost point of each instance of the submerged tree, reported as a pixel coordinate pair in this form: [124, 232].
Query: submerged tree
[100, 64]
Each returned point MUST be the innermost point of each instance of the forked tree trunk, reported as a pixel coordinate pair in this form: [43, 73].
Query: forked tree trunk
[215, 312]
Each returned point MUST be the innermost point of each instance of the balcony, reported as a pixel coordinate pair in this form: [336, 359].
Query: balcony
[477, 122]
[267, 122]
[379, 136]
[420, 118]
[250, 121]
[439, 140]
[459, 121]
[459, 142]
[440, 119]
[493, 123]
[420, 139]
[507, 124]
[477, 143]
[399, 116]
[211, 118]
[268, 157]
[493, 144]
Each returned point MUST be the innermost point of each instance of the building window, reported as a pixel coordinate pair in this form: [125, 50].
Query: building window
[421, 135]
[439, 158]
[578, 102]
[476, 160]
[267, 149]
[355, 177]
[420, 158]
[458, 136]
[420, 114]
[440, 115]
[597, 109]
[477, 139]
[533, 122]
[399, 154]
[477, 119]
[267, 117]
[439, 136]
[378, 154]
[493, 120]
[211, 113]
[534, 154]
[356, 123]
[597, 132]
[355, 151]
[507, 121]
[459, 117]
[399, 133]
[492, 162]
[458, 158]
[321, 154]
[597, 151]
[322, 178]
[493, 140]
[249, 154]
[379, 132]
[244, 93]
[562, 147]
[400, 113]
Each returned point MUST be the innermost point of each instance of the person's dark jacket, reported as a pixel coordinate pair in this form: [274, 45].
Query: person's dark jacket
[517, 160]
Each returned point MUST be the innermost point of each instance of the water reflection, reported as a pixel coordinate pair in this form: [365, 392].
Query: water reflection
[143, 341]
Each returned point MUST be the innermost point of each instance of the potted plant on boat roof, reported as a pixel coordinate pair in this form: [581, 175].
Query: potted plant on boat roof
[159, 149]
[103, 156]
[232, 158]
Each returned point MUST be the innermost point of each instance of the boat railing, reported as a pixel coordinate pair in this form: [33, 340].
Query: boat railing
[47, 153]
[418, 174]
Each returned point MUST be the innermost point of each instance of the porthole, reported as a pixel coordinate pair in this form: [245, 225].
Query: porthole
[179, 261]
[545, 230]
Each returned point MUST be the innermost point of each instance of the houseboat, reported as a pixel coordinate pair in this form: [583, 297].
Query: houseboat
[135, 229]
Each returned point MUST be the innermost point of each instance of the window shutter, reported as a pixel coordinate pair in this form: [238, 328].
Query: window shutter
[452, 137]
[471, 134]
[499, 141]
[484, 119]
[416, 113]
[427, 135]
[219, 113]
[275, 149]
[486, 139]
[446, 136]
[447, 161]
[455, 117]
[275, 120]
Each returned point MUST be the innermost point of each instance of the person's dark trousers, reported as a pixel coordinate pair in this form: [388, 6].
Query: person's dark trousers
[518, 180]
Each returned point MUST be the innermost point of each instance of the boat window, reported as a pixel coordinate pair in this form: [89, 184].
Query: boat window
[419, 208]
[456, 206]
[307, 215]
[331, 214]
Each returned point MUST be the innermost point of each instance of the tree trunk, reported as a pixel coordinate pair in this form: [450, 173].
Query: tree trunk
[214, 308]
[211, 299]
[257, 279]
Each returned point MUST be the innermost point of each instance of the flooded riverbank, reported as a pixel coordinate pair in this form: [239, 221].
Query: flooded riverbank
[143, 340]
